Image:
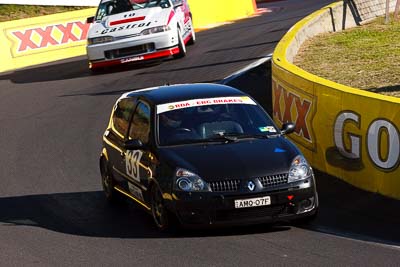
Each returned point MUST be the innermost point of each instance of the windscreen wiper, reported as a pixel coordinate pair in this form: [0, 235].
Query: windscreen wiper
[252, 136]
[221, 138]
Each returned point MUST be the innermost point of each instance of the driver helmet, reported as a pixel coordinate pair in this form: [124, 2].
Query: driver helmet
[172, 119]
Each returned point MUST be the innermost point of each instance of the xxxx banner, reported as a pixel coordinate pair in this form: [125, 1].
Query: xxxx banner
[52, 2]
[43, 39]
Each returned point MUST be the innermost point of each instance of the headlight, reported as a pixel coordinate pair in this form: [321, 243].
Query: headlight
[190, 182]
[299, 170]
[155, 30]
[100, 40]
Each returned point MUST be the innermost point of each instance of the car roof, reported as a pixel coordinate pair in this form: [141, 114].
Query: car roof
[180, 92]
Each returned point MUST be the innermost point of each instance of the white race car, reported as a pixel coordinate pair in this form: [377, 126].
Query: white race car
[125, 31]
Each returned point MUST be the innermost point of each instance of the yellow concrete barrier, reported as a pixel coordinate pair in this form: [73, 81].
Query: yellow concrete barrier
[44, 39]
[343, 131]
[206, 12]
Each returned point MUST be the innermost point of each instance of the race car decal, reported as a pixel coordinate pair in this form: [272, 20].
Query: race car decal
[158, 54]
[130, 26]
[279, 150]
[171, 15]
[131, 59]
[135, 191]
[132, 160]
[122, 21]
[268, 129]
[203, 102]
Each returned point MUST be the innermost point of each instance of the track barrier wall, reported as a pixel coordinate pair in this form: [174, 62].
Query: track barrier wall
[33, 41]
[346, 132]
[43, 39]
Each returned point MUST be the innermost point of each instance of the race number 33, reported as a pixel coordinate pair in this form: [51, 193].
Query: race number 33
[132, 160]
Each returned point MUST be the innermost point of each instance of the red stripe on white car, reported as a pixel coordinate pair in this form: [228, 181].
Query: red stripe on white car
[158, 54]
[122, 21]
[171, 15]
[187, 39]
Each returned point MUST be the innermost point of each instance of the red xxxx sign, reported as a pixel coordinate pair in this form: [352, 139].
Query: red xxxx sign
[31, 39]
[293, 106]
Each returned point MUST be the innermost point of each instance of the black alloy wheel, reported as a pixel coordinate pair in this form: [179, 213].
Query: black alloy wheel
[108, 183]
[158, 210]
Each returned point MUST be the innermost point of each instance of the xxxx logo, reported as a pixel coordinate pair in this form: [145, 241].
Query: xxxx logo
[49, 37]
[294, 105]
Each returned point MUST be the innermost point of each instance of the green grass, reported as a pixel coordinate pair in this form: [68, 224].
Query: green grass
[366, 57]
[13, 12]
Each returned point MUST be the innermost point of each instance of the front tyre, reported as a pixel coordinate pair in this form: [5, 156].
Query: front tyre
[181, 46]
[158, 210]
[192, 40]
[305, 221]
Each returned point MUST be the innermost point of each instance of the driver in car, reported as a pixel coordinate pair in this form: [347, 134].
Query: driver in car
[172, 127]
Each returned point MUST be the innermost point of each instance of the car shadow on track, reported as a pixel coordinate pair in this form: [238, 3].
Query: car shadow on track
[88, 214]
[344, 211]
[67, 69]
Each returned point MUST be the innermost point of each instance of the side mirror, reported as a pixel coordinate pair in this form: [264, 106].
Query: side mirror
[133, 144]
[288, 128]
[90, 20]
[178, 3]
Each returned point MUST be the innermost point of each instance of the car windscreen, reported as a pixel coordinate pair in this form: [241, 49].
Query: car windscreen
[112, 7]
[138, 4]
[212, 119]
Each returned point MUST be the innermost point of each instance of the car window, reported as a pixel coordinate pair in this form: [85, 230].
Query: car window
[113, 7]
[140, 126]
[121, 116]
[198, 122]
[139, 4]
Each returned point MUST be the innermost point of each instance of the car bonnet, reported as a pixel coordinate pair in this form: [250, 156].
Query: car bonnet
[131, 22]
[237, 160]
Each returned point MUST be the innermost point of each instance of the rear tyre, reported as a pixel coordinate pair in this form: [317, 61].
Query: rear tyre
[181, 46]
[108, 184]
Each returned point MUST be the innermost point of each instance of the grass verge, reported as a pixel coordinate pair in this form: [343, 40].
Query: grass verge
[365, 57]
[13, 12]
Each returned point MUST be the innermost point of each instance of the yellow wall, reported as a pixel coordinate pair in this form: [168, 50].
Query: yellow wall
[43, 39]
[207, 12]
[343, 131]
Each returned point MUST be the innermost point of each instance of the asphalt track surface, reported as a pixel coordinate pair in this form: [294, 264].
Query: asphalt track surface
[52, 210]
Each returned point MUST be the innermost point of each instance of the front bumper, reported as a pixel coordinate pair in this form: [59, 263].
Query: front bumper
[213, 209]
[137, 48]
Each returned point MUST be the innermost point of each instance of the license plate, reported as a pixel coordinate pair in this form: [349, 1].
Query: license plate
[252, 202]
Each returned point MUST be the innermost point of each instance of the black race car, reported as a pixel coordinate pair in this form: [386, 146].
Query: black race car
[204, 154]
